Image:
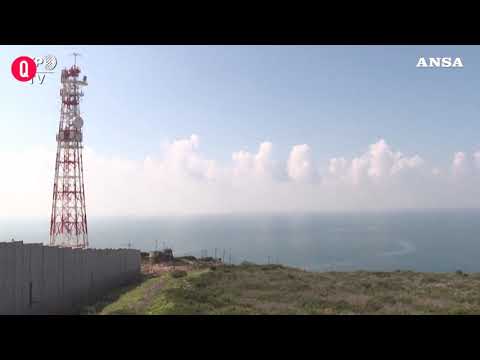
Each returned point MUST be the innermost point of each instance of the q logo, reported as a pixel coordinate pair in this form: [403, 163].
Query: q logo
[24, 68]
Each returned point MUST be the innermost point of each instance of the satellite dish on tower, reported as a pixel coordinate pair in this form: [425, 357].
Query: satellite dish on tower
[78, 123]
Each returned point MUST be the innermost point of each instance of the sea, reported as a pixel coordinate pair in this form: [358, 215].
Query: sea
[417, 240]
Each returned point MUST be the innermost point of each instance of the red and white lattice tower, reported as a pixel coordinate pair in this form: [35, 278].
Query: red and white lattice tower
[68, 225]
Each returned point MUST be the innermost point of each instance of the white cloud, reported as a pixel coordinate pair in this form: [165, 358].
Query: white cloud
[359, 169]
[384, 162]
[299, 164]
[259, 165]
[182, 159]
[381, 159]
[263, 163]
[182, 180]
[459, 164]
[338, 168]
[376, 165]
[403, 163]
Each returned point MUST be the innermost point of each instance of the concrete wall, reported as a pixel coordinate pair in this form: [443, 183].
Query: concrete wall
[37, 279]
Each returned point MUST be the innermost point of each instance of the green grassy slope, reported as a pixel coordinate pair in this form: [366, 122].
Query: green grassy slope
[274, 289]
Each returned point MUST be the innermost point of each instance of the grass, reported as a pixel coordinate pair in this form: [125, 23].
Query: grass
[275, 289]
[114, 296]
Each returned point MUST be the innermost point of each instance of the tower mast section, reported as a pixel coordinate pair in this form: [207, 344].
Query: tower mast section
[68, 223]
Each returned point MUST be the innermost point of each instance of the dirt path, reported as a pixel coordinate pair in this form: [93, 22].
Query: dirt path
[159, 269]
[156, 271]
[149, 295]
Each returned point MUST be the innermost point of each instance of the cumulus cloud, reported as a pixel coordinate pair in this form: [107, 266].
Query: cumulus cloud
[459, 164]
[180, 179]
[360, 169]
[259, 165]
[378, 163]
[299, 164]
[338, 168]
[381, 159]
[182, 159]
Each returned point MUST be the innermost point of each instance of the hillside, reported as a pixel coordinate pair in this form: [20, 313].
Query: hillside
[275, 289]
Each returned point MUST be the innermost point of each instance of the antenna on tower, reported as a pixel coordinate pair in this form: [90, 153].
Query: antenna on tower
[75, 57]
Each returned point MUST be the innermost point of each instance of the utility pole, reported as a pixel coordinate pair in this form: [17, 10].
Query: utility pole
[230, 257]
[223, 256]
[215, 254]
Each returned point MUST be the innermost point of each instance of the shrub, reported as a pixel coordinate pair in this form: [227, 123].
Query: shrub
[178, 273]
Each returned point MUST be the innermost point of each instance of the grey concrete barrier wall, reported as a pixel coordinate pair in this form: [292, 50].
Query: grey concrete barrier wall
[37, 279]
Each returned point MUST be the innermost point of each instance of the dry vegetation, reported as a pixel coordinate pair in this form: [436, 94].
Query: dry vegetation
[275, 289]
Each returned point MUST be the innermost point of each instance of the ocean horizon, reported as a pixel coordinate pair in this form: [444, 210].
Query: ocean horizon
[434, 240]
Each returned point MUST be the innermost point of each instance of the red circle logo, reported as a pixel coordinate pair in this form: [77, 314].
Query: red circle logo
[24, 68]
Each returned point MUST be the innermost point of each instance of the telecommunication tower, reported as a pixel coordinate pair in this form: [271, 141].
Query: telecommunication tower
[68, 224]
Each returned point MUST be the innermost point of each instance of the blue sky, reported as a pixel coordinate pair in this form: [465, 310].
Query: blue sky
[337, 99]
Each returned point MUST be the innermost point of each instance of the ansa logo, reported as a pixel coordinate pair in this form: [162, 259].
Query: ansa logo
[444, 62]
